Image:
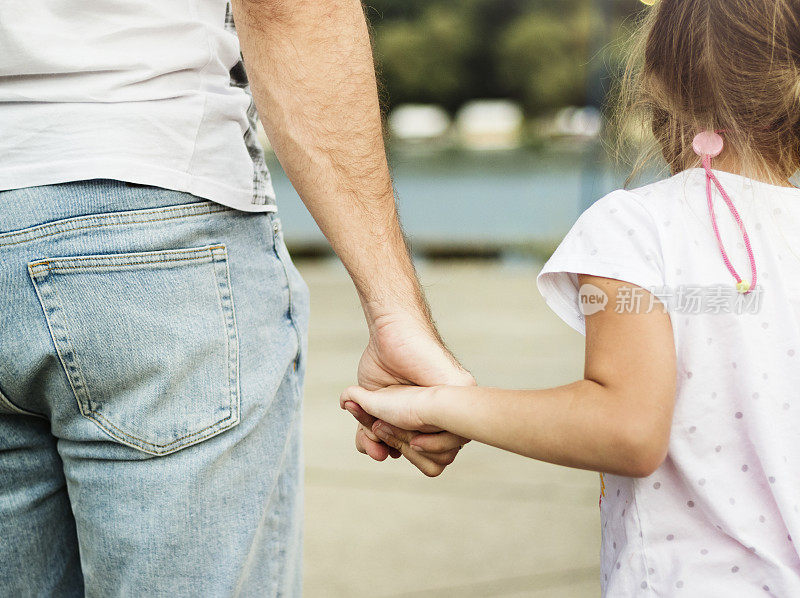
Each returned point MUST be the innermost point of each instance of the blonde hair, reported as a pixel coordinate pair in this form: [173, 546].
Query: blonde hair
[731, 65]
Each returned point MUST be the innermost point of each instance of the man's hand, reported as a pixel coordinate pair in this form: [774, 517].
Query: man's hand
[401, 350]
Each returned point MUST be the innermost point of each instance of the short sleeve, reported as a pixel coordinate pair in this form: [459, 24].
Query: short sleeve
[616, 237]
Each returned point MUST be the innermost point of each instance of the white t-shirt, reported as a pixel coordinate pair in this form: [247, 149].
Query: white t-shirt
[135, 90]
[721, 516]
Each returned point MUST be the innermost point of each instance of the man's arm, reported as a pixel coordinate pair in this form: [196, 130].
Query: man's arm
[310, 68]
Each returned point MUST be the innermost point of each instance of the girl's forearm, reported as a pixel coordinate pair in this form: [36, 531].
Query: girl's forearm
[578, 425]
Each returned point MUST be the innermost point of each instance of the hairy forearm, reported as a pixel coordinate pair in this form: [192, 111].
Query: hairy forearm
[312, 77]
[582, 425]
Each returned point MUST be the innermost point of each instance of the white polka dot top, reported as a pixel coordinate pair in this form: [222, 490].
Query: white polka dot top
[719, 516]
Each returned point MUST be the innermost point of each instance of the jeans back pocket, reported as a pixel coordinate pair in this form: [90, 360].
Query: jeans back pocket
[148, 341]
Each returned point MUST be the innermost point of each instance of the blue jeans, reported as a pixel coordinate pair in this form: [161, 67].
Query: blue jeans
[152, 351]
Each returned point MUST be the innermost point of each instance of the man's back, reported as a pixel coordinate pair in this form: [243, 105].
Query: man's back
[136, 90]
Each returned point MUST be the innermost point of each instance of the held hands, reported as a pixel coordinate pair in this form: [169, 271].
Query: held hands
[400, 420]
[402, 351]
[399, 405]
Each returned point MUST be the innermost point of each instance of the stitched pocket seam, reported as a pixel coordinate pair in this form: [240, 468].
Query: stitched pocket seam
[228, 307]
[111, 219]
[109, 261]
[58, 333]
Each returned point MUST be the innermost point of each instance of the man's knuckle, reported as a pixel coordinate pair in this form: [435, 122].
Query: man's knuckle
[432, 469]
[445, 445]
[359, 441]
[445, 459]
[400, 434]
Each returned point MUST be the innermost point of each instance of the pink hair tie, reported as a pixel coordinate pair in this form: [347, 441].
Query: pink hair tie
[708, 145]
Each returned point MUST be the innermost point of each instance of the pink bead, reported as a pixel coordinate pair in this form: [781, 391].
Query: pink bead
[707, 143]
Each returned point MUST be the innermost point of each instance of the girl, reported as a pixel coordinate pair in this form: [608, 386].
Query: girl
[688, 292]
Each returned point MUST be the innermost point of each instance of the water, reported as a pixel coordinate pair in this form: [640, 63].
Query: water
[475, 199]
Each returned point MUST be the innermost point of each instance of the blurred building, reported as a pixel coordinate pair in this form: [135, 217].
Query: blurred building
[490, 125]
[419, 123]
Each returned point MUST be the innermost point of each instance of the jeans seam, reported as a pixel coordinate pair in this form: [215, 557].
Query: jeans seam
[230, 331]
[92, 266]
[142, 254]
[81, 407]
[290, 308]
[123, 435]
[62, 228]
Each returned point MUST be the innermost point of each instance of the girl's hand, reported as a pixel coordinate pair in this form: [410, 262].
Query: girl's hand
[402, 424]
[400, 405]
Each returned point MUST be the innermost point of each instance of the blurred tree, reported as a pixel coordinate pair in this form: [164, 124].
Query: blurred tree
[450, 51]
[542, 59]
[425, 60]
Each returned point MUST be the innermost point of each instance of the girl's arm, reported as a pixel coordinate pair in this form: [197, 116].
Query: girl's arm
[616, 420]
